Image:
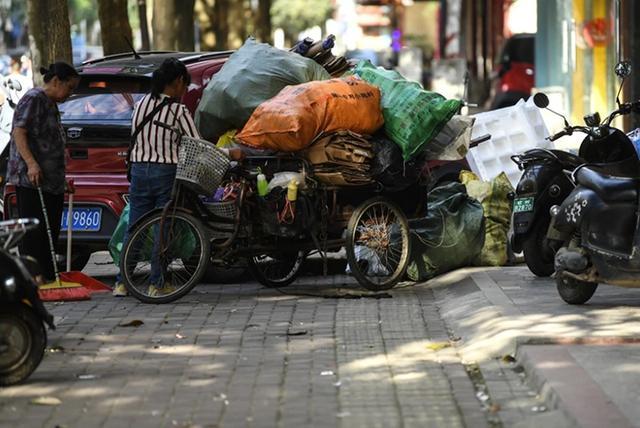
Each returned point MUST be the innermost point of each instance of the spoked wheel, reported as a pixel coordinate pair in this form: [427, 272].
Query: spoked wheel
[277, 269]
[22, 342]
[163, 268]
[378, 244]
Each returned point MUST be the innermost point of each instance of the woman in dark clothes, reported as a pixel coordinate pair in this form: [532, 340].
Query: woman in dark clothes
[36, 158]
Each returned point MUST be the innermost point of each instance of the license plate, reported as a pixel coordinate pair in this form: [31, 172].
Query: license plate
[522, 205]
[83, 219]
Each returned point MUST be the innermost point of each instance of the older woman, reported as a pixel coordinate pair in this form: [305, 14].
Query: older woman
[36, 158]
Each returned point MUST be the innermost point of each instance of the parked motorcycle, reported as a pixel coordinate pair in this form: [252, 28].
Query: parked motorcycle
[547, 181]
[23, 337]
[599, 221]
[9, 91]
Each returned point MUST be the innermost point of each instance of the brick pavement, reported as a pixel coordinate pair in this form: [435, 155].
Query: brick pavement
[242, 355]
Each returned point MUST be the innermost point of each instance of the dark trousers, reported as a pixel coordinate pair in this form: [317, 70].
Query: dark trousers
[36, 242]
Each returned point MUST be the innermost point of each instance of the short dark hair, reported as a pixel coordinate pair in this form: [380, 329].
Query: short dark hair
[61, 70]
[169, 70]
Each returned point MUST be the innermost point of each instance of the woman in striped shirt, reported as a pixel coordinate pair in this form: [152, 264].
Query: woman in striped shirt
[154, 155]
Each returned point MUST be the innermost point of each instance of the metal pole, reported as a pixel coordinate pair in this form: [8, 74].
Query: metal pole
[616, 23]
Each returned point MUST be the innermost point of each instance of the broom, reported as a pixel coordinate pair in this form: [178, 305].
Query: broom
[91, 284]
[58, 290]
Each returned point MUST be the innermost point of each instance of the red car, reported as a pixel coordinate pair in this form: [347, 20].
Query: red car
[97, 120]
[516, 71]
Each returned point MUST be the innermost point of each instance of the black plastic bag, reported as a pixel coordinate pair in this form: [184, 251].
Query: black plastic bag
[389, 168]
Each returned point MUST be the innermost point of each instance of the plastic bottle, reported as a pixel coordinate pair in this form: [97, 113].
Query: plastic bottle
[292, 191]
[263, 184]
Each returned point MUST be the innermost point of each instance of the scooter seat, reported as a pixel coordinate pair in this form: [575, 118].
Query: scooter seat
[608, 187]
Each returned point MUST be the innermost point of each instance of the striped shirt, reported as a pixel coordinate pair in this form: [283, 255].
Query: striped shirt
[157, 144]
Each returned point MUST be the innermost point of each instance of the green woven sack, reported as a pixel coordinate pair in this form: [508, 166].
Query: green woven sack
[412, 116]
[493, 196]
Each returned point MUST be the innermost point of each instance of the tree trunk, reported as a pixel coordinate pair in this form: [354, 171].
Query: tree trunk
[263, 21]
[237, 27]
[144, 27]
[185, 29]
[49, 33]
[164, 25]
[221, 23]
[114, 26]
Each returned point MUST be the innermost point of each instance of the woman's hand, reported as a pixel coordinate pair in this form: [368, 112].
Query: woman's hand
[34, 173]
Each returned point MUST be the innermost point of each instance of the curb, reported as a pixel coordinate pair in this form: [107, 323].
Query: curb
[566, 386]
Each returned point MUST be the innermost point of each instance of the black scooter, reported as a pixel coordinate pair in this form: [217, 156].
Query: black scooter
[547, 181]
[23, 337]
[599, 221]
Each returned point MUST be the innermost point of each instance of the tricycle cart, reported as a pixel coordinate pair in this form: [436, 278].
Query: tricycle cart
[169, 249]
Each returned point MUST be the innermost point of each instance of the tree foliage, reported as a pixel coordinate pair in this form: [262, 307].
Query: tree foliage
[295, 16]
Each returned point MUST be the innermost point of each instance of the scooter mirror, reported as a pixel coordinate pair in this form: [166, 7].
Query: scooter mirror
[15, 85]
[541, 100]
[623, 69]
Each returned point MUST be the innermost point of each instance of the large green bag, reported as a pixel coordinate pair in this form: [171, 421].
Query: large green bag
[253, 74]
[450, 236]
[494, 197]
[412, 116]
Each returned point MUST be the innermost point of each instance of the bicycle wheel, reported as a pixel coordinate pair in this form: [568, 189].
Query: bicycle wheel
[156, 270]
[277, 269]
[378, 244]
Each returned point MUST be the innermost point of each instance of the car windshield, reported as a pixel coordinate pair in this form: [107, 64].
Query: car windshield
[103, 99]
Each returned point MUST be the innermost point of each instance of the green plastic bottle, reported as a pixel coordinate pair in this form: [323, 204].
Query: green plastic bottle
[263, 185]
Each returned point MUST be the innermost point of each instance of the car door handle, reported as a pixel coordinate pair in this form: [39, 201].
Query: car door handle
[79, 153]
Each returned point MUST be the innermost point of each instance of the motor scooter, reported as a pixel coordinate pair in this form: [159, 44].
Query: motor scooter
[547, 181]
[23, 337]
[598, 222]
[9, 91]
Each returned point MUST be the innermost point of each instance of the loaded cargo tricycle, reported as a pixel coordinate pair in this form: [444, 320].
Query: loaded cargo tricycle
[169, 249]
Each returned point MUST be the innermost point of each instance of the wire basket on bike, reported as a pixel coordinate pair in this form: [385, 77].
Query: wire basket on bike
[201, 165]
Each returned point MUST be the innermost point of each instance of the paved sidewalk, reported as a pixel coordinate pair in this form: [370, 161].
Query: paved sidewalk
[581, 359]
[242, 355]
[439, 354]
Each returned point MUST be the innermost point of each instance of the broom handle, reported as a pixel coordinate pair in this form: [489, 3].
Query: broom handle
[69, 226]
[46, 222]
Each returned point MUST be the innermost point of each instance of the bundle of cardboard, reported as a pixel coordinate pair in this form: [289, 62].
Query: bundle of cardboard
[341, 158]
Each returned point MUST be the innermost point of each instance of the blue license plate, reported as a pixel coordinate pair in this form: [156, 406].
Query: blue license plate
[83, 219]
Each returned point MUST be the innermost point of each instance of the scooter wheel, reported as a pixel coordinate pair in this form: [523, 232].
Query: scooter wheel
[574, 291]
[538, 254]
[23, 339]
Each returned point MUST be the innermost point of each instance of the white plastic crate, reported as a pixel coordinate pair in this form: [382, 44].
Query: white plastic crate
[513, 130]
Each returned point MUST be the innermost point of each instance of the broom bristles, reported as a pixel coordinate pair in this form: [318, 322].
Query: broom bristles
[63, 291]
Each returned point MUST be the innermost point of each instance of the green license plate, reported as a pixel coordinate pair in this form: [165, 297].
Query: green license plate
[522, 205]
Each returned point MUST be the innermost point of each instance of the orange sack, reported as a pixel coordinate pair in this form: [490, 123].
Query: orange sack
[291, 120]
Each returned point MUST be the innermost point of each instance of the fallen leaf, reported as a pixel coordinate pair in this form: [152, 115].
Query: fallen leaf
[437, 346]
[296, 333]
[494, 408]
[87, 376]
[132, 323]
[510, 359]
[46, 401]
